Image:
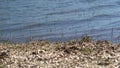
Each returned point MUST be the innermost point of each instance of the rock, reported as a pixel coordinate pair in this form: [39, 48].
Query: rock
[104, 62]
[74, 48]
[34, 53]
[67, 51]
[39, 59]
[3, 54]
[118, 66]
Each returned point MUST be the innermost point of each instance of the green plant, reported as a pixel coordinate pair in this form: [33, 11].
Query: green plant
[6, 41]
[71, 42]
[86, 50]
[1, 65]
[85, 38]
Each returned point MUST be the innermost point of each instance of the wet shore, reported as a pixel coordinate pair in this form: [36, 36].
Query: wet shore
[83, 53]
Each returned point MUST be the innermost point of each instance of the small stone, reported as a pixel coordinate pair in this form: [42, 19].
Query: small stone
[34, 53]
[118, 63]
[67, 51]
[39, 59]
[3, 54]
[118, 66]
[103, 64]
[74, 48]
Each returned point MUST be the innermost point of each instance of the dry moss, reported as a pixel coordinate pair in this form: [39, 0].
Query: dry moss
[86, 50]
[60, 55]
[86, 38]
[1, 65]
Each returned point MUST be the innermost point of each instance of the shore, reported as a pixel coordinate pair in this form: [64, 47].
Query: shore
[83, 53]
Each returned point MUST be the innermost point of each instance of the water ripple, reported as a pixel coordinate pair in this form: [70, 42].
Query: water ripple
[49, 19]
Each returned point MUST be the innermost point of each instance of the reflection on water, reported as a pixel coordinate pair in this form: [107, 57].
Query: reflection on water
[58, 20]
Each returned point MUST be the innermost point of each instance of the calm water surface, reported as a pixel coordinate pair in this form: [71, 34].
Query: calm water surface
[59, 20]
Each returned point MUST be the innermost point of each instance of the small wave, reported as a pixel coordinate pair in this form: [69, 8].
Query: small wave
[87, 1]
[66, 12]
[81, 9]
[82, 21]
[104, 16]
[102, 6]
[116, 22]
[118, 2]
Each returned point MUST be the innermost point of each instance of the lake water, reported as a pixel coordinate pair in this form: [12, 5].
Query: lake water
[59, 20]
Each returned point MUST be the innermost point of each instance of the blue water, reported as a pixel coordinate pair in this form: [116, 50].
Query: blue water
[59, 20]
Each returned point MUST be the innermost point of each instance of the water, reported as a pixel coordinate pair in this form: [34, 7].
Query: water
[58, 20]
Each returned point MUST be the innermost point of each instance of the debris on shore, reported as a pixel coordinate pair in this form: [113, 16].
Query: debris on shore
[72, 54]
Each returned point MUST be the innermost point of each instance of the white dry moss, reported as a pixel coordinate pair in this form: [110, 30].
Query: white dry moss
[41, 54]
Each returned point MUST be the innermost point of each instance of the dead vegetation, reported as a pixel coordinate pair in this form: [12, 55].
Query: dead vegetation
[73, 54]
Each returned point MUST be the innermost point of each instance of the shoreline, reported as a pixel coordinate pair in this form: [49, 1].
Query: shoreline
[84, 53]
